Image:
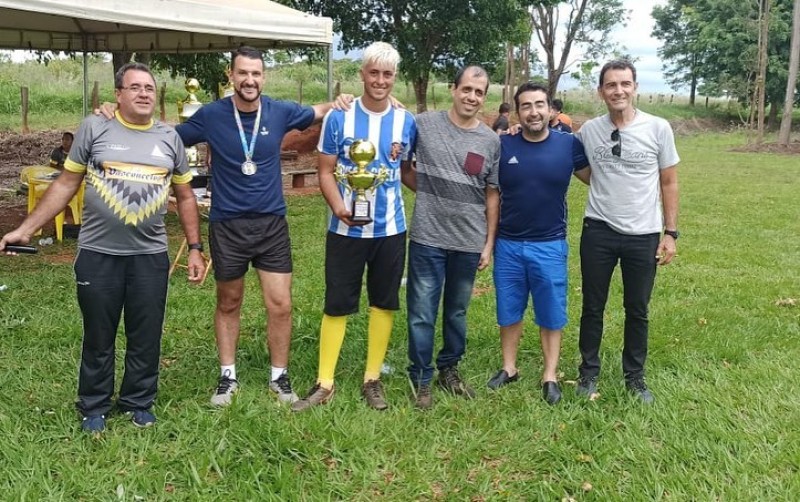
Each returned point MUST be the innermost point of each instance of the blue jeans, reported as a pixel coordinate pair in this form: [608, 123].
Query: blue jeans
[601, 249]
[430, 268]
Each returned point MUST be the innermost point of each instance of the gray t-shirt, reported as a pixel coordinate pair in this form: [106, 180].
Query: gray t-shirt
[625, 191]
[454, 167]
[128, 173]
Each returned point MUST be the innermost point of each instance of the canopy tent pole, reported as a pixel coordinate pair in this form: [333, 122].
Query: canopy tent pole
[85, 82]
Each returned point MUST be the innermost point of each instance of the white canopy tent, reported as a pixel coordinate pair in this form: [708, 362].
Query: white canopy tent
[167, 26]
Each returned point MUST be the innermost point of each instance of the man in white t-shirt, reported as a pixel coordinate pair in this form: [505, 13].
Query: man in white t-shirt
[631, 219]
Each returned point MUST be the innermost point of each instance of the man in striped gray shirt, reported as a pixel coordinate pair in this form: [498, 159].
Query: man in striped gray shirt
[452, 231]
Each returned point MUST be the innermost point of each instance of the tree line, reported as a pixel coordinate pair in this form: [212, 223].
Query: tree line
[734, 48]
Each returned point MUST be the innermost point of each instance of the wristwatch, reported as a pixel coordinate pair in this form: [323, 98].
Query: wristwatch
[198, 246]
[672, 233]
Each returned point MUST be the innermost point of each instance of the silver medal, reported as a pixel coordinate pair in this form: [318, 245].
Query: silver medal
[249, 168]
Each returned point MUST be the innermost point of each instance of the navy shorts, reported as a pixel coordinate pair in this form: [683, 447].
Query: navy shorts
[263, 241]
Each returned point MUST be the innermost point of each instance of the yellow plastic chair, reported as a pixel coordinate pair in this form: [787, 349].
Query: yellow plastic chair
[36, 189]
[29, 172]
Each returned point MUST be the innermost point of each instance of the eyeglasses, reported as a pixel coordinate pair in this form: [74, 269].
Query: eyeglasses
[136, 89]
[616, 150]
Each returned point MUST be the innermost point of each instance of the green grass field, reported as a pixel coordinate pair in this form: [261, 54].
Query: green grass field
[725, 331]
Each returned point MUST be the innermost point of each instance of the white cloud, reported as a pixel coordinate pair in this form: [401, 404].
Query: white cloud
[636, 39]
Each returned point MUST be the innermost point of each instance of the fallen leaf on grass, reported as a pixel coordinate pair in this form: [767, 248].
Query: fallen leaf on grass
[587, 486]
[169, 488]
[594, 396]
[568, 499]
[583, 457]
[702, 321]
[166, 362]
[786, 302]
[570, 382]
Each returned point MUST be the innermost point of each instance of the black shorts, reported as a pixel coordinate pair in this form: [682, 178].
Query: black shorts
[345, 258]
[263, 241]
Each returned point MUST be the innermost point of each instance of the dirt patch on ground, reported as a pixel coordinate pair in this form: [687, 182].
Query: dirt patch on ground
[792, 148]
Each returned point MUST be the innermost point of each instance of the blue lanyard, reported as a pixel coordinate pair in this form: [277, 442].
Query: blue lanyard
[248, 152]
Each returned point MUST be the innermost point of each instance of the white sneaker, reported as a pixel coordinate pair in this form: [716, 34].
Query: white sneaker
[283, 388]
[226, 388]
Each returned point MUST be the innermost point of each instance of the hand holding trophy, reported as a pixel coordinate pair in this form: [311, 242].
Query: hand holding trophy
[359, 180]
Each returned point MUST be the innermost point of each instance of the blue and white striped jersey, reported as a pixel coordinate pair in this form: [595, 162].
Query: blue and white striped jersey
[392, 132]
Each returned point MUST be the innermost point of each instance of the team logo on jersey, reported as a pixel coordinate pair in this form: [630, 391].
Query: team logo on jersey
[513, 160]
[157, 152]
[264, 131]
[133, 192]
[397, 149]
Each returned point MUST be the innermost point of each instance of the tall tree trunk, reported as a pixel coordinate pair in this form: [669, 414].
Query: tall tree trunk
[120, 58]
[772, 118]
[525, 62]
[791, 82]
[508, 77]
[762, 67]
[421, 92]
[693, 89]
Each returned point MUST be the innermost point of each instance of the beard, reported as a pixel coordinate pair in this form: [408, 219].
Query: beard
[244, 98]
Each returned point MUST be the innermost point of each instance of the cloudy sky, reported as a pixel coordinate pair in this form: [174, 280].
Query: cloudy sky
[636, 40]
[635, 37]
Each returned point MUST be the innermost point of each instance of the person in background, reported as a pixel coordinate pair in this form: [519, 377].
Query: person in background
[60, 153]
[562, 117]
[500, 125]
[129, 162]
[531, 248]
[452, 232]
[633, 197]
[555, 122]
[379, 245]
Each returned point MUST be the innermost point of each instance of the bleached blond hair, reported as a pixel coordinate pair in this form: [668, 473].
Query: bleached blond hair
[381, 53]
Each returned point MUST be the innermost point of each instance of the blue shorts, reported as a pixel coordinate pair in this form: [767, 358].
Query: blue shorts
[536, 268]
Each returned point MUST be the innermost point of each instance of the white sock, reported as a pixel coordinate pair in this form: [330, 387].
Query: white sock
[228, 370]
[276, 373]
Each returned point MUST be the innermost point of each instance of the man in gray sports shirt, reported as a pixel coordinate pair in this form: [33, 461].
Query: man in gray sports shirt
[129, 164]
[633, 196]
[452, 231]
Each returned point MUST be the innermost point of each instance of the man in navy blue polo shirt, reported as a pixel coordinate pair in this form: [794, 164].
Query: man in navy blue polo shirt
[248, 212]
[531, 249]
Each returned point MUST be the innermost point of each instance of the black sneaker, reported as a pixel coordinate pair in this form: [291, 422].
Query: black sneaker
[451, 381]
[226, 388]
[587, 386]
[501, 379]
[640, 390]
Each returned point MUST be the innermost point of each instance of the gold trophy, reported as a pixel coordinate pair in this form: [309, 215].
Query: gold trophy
[359, 180]
[186, 108]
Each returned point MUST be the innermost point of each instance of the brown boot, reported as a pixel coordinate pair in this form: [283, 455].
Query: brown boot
[373, 395]
[317, 395]
[423, 397]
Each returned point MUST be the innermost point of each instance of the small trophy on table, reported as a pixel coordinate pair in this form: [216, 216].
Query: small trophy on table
[360, 180]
